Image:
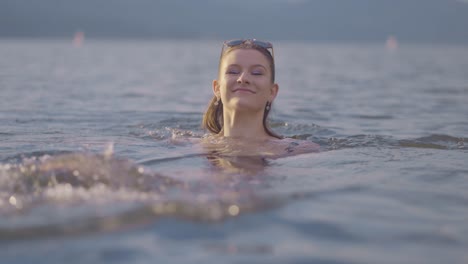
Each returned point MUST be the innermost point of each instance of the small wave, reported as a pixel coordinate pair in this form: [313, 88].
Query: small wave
[196, 210]
[153, 161]
[168, 128]
[33, 155]
[76, 193]
[75, 177]
[358, 141]
[436, 142]
[34, 120]
[452, 90]
[300, 131]
[377, 117]
[133, 95]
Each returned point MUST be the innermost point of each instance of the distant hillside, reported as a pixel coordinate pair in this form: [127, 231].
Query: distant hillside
[443, 21]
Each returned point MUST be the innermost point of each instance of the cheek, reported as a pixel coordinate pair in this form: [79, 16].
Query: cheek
[266, 85]
[223, 85]
[226, 81]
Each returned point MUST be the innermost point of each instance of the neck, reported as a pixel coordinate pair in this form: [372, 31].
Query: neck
[244, 125]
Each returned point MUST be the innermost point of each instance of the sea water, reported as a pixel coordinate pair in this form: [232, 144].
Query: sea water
[95, 167]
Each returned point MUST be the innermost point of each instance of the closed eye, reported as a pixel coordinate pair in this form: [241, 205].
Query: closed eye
[257, 73]
[232, 70]
[258, 70]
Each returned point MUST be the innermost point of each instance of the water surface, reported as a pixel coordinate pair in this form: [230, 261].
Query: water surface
[388, 186]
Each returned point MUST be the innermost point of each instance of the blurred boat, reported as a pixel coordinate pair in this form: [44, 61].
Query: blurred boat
[392, 43]
[78, 39]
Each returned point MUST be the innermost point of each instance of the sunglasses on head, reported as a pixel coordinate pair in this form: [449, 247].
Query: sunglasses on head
[254, 42]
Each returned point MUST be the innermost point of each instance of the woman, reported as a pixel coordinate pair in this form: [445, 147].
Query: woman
[237, 115]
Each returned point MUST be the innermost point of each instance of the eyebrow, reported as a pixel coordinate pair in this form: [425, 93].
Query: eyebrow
[253, 66]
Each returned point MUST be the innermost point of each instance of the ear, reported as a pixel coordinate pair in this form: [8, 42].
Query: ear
[216, 88]
[273, 92]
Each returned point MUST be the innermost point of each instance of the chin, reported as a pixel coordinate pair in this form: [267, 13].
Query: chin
[246, 107]
[242, 103]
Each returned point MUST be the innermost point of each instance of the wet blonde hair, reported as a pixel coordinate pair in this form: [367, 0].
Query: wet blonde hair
[213, 119]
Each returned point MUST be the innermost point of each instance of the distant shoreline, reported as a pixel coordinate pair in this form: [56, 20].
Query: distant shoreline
[202, 39]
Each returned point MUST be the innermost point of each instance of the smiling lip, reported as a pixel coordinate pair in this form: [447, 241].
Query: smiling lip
[243, 90]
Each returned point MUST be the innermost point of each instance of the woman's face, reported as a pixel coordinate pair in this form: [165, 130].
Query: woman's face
[244, 82]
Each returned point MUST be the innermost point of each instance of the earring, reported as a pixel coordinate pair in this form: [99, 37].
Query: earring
[267, 107]
[217, 101]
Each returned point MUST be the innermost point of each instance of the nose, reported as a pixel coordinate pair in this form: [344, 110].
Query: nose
[243, 78]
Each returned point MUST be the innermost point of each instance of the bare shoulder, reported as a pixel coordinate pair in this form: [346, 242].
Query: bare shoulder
[292, 146]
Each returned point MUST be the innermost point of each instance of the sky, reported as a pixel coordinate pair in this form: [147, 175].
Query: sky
[426, 21]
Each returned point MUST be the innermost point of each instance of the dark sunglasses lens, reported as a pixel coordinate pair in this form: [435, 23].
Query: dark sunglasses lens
[259, 43]
[263, 44]
[234, 42]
